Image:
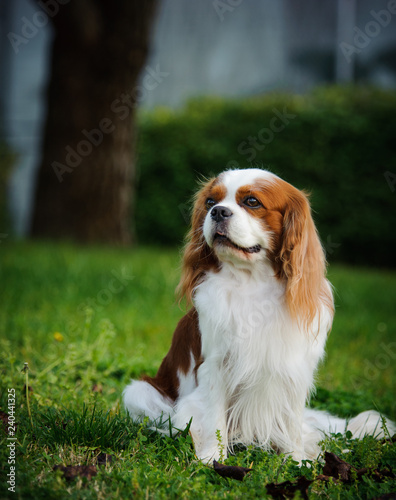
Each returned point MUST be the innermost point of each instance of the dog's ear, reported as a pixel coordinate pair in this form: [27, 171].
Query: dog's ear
[198, 257]
[303, 261]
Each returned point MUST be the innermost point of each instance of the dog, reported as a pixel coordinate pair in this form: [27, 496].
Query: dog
[242, 361]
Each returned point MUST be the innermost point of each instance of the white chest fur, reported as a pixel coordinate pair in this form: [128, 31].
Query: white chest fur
[244, 321]
[264, 363]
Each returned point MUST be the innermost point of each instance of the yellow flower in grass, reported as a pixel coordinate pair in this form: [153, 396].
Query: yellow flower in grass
[58, 336]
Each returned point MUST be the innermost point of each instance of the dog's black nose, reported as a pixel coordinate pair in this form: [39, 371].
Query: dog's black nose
[220, 213]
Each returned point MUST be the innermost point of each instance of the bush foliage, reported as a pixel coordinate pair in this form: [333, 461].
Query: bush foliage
[338, 143]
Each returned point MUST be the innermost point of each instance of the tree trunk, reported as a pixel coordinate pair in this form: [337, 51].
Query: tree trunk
[85, 179]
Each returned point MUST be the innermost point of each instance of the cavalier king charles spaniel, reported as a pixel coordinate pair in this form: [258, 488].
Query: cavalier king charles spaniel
[242, 360]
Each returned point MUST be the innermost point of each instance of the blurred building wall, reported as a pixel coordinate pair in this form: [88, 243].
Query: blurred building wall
[24, 74]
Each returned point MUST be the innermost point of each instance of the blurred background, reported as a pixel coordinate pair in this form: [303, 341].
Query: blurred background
[110, 113]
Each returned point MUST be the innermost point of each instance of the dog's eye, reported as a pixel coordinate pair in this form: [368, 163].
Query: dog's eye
[251, 202]
[210, 203]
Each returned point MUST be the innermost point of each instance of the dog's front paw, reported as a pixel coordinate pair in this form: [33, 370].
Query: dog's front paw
[208, 454]
[207, 451]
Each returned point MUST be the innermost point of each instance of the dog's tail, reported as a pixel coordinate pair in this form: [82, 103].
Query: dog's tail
[318, 424]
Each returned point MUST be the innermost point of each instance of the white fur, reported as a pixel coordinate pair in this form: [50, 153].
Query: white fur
[234, 179]
[259, 366]
[187, 382]
[142, 400]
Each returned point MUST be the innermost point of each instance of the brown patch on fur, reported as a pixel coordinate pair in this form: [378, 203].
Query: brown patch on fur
[270, 213]
[186, 341]
[198, 257]
[297, 254]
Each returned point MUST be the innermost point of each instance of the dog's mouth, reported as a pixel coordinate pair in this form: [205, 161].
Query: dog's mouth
[222, 239]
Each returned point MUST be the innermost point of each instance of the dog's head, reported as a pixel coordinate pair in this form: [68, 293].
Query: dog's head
[253, 220]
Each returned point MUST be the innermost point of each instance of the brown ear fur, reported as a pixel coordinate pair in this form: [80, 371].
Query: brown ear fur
[198, 257]
[303, 261]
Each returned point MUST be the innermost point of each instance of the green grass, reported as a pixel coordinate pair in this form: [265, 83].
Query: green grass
[84, 334]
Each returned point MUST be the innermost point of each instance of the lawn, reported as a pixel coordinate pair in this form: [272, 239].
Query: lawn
[86, 320]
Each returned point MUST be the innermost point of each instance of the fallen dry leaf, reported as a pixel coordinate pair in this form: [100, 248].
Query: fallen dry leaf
[6, 424]
[231, 471]
[4, 418]
[289, 488]
[71, 472]
[104, 459]
[337, 468]
[342, 471]
[334, 469]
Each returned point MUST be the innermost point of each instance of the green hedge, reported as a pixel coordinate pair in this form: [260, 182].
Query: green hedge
[339, 143]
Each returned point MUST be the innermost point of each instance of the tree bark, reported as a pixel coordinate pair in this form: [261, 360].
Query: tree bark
[86, 174]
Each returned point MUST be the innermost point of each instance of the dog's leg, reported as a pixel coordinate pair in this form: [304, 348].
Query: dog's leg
[206, 406]
[142, 400]
[290, 438]
[288, 434]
